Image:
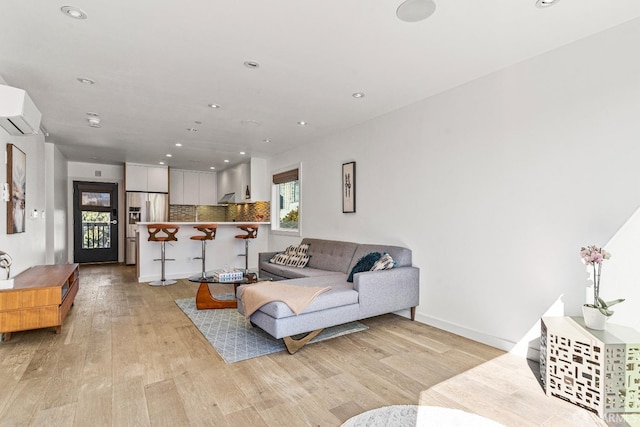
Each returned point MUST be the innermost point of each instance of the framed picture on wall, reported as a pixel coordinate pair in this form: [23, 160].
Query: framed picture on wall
[17, 180]
[349, 187]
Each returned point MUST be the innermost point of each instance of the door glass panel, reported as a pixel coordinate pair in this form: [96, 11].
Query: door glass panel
[96, 199]
[96, 229]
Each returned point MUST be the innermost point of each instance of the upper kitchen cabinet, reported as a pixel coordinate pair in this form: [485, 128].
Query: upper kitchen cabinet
[251, 176]
[192, 187]
[149, 178]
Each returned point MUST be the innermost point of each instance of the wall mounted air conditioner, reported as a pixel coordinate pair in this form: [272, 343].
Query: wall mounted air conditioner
[18, 114]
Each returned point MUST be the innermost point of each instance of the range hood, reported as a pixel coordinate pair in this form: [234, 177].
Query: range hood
[18, 114]
[227, 198]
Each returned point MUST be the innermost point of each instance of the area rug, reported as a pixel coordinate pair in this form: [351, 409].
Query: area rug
[235, 339]
[412, 415]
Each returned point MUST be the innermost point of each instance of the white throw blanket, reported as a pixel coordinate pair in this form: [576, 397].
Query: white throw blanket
[258, 294]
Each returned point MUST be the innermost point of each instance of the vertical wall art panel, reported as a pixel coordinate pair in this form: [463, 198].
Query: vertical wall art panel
[349, 187]
[17, 180]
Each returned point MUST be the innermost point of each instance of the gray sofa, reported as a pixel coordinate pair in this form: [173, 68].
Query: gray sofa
[372, 292]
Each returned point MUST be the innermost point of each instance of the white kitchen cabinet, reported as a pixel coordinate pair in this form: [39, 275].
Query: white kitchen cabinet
[146, 178]
[193, 187]
[176, 185]
[157, 179]
[208, 194]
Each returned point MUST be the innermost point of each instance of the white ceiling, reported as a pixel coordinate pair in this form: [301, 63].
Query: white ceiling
[158, 64]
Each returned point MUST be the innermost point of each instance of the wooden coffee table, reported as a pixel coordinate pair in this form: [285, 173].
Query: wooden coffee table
[205, 300]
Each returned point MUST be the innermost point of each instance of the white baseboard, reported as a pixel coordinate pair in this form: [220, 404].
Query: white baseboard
[481, 337]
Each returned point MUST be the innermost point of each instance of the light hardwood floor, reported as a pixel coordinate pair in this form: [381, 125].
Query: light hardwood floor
[128, 356]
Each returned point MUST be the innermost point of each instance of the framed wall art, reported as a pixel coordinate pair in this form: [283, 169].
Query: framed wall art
[349, 187]
[17, 180]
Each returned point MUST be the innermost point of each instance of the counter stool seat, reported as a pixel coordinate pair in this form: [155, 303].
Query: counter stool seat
[162, 233]
[209, 231]
[251, 233]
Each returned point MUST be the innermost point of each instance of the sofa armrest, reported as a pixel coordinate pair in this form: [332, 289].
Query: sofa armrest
[265, 256]
[386, 291]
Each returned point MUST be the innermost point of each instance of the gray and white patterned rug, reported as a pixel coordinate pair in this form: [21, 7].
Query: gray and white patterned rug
[235, 339]
[418, 416]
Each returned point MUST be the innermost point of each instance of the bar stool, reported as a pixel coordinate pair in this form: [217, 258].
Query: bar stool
[162, 233]
[209, 231]
[252, 233]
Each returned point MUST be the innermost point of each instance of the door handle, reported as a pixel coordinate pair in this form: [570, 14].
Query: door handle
[114, 222]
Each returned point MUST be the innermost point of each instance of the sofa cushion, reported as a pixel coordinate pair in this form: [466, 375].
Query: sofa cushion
[341, 293]
[365, 263]
[330, 255]
[293, 272]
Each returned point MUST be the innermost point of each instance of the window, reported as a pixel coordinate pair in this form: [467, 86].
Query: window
[286, 189]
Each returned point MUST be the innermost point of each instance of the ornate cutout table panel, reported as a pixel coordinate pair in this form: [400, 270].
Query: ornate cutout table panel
[596, 370]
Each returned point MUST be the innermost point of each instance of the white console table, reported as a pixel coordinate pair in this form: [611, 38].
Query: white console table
[596, 370]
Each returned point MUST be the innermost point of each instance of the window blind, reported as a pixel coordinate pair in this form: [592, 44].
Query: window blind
[288, 176]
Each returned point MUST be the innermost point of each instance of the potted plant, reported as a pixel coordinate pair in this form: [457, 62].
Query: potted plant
[596, 314]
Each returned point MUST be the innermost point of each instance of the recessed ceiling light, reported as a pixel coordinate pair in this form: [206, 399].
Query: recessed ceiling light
[242, 153]
[73, 12]
[162, 163]
[546, 3]
[358, 95]
[212, 167]
[85, 81]
[266, 140]
[226, 161]
[192, 129]
[251, 64]
[94, 122]
[415, 10]
[214, 106]
[178, 144]
[168, 155]
[302, 123]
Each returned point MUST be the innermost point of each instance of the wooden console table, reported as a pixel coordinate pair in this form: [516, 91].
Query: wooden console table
[41, 297]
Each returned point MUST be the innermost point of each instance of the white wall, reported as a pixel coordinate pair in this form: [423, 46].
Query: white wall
[494, 185]
[56, 205]
[79, 171]
[28, 248]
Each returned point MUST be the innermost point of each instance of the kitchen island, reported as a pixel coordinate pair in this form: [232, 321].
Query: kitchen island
[221, 252]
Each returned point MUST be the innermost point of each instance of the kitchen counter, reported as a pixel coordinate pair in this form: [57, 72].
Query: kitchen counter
[221, 252]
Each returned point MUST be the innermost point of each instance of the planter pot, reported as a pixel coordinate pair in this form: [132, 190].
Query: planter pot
[593, 319]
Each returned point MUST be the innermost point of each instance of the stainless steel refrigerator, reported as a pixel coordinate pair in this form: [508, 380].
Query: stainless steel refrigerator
[143, 207]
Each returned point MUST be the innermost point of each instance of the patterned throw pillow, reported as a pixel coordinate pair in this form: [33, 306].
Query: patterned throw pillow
[291, 250]
[302, 249]
[280, 259]
[384, 263]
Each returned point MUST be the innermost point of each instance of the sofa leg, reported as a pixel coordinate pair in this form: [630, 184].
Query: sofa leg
[294, 345]
[413, 313]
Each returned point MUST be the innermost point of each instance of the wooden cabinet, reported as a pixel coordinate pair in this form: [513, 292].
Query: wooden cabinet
[149, 178]
[41, 297]
[192, 187]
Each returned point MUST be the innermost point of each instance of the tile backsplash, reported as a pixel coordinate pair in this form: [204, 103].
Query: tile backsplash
[240, 212]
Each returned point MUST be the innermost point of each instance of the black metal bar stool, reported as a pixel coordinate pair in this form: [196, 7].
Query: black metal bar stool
[162, 233]
[252, 233]
[209, 231]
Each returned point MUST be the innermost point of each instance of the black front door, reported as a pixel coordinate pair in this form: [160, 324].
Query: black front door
[95, 222]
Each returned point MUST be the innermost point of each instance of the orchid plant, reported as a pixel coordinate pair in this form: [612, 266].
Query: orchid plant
[595, 256]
